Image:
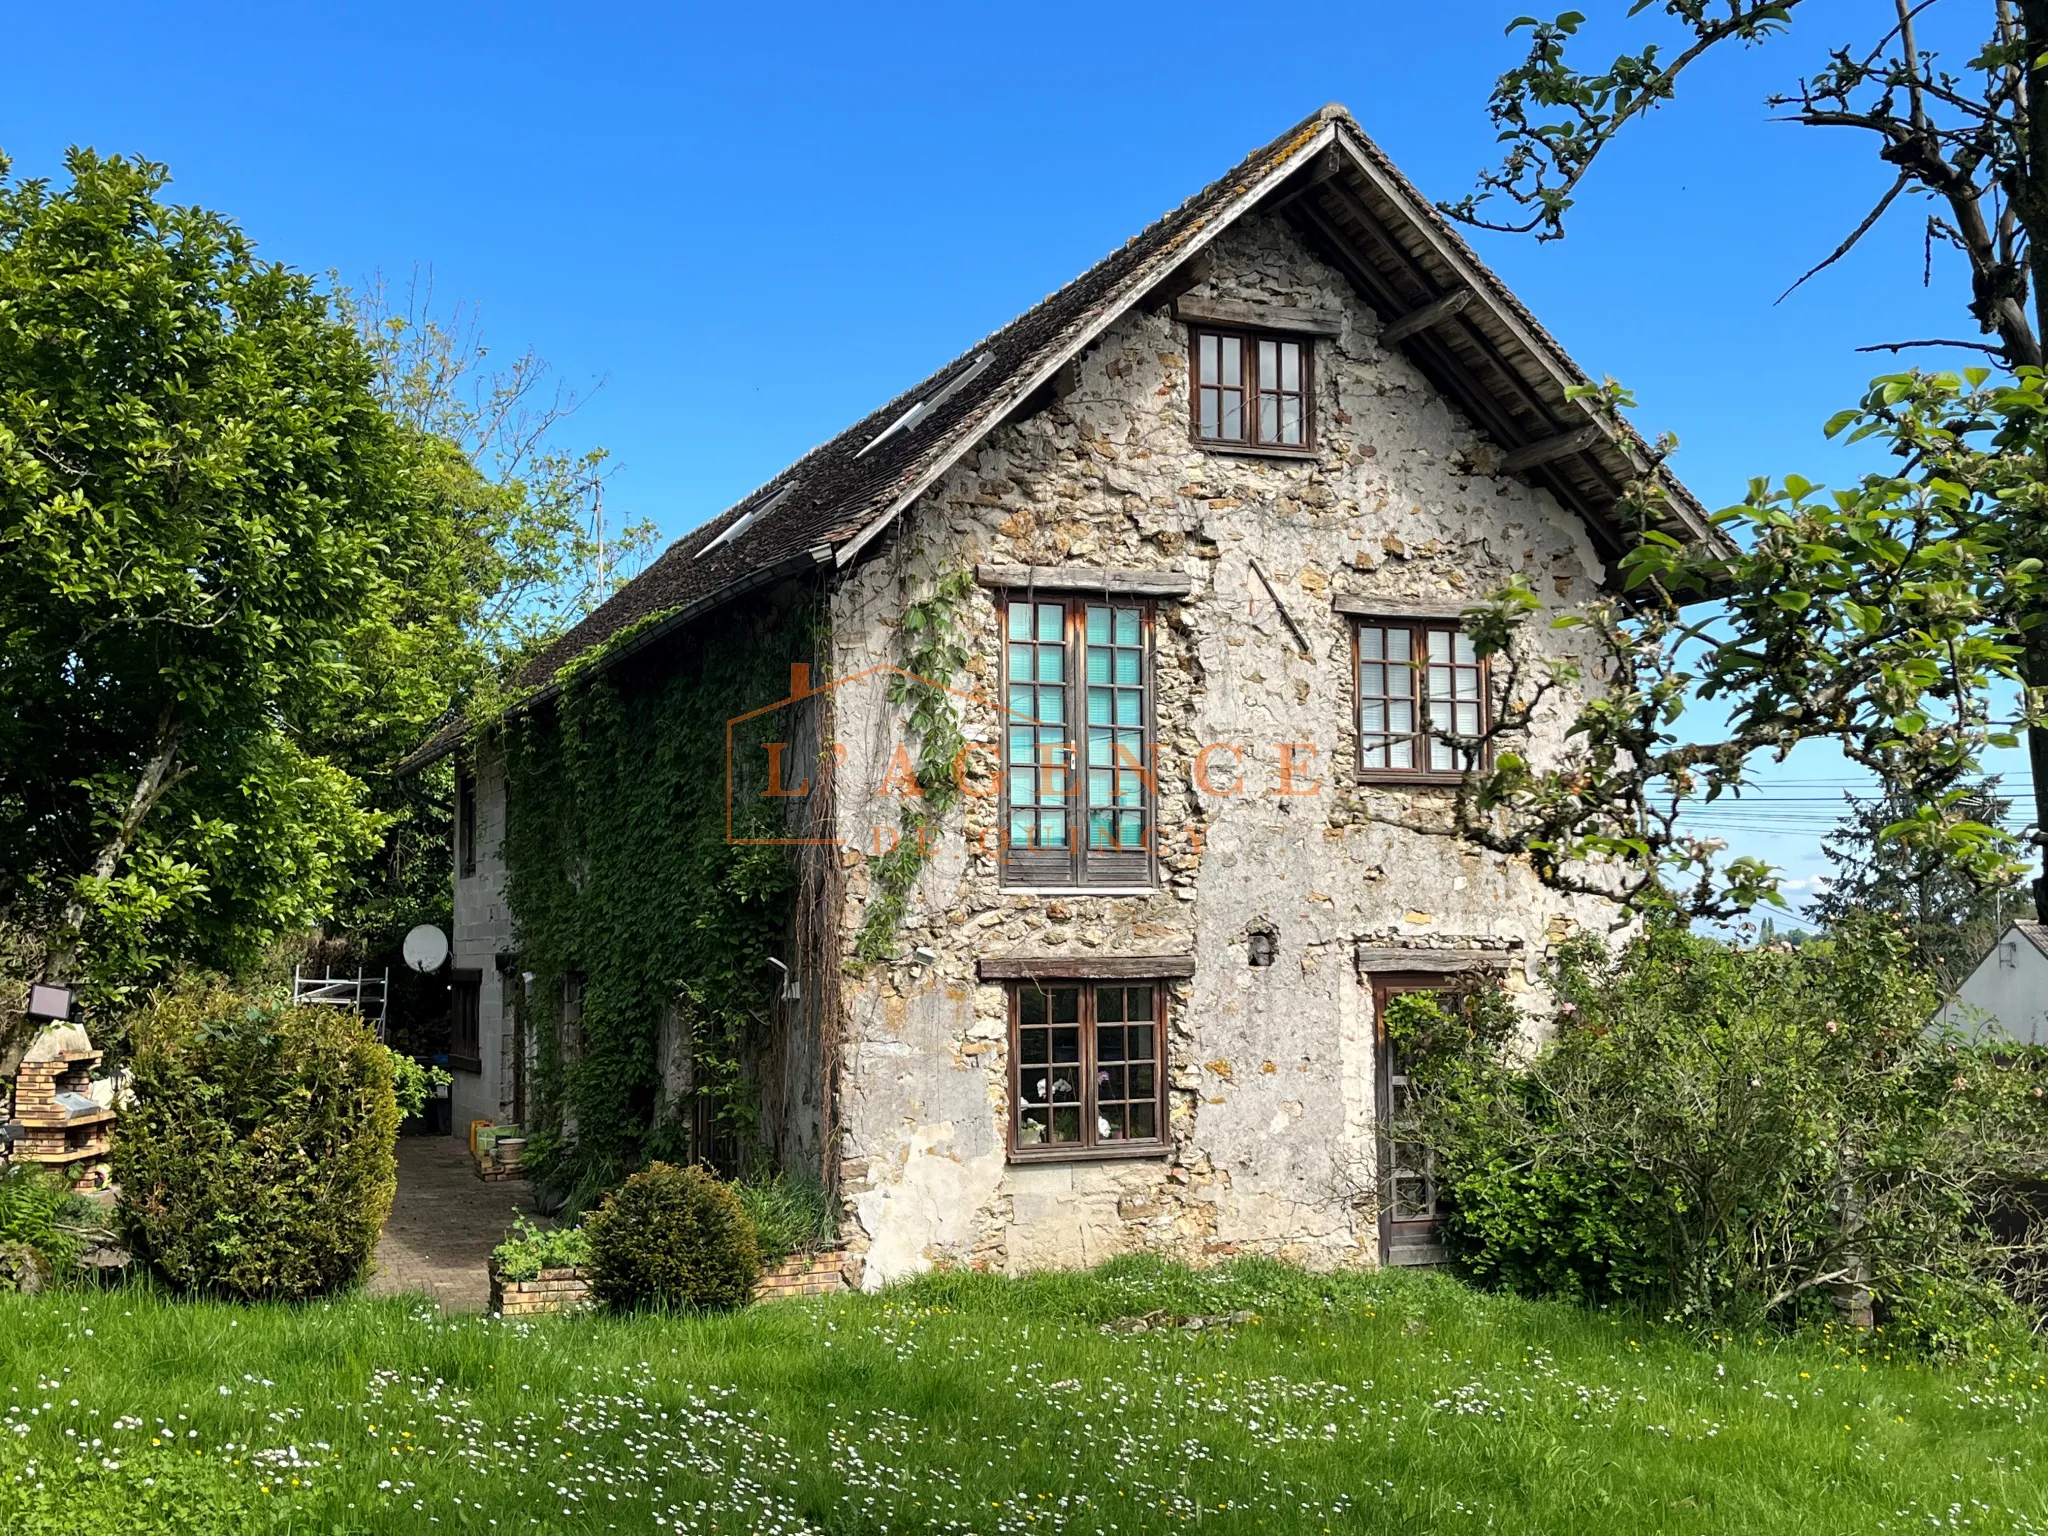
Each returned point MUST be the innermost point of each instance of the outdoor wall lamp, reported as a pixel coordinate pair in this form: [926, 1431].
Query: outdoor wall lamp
[790, 990]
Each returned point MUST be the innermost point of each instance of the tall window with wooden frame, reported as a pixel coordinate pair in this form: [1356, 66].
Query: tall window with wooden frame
[1078, 785]
[465, 822]
[465, 1020]
[1087, 1069]
[1417, 682]
[1252, 390]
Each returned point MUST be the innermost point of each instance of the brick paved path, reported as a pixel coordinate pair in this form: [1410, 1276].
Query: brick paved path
[443, 1225]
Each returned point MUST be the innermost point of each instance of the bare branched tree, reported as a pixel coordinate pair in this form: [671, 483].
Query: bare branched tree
[545, 521]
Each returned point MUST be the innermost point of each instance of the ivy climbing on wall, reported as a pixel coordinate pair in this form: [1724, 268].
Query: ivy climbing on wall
[622, 879]
[934, 651]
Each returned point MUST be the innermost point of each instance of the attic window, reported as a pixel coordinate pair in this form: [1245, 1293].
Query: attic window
[1251, 389]
[747, 519]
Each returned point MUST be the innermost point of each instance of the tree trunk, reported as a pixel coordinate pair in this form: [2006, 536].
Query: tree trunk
[2034, 669]
[156, 779]
[2033, 214]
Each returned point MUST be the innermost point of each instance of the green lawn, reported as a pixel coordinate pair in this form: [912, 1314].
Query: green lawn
[966, 1404]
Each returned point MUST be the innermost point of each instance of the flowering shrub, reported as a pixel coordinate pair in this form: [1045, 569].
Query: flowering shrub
[1735, 1133]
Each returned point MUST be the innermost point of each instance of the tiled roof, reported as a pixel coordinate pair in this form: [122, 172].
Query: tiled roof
[2035, 932]
[1508, 373]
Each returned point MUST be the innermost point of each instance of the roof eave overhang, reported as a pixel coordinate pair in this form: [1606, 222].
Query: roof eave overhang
[644, 635]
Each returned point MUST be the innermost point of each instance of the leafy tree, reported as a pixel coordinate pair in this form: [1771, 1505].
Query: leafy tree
[1895, 616]
[253, 543]
[207, 535]
[538, 544]
[1949, 920]
[1736, 1133]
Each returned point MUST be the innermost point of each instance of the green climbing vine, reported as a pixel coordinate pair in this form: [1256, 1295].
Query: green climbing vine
[934, 651]
[623, 882]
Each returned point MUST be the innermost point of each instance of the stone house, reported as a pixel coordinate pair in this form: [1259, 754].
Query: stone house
[1224, 497]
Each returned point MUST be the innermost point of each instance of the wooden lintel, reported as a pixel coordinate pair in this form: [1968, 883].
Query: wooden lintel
[1399, 330]
[1189, 274]
[1395, 607]
[1083, 967]
[1117, 582]
[1265, 317]
[1529, 455]
[1382, 961]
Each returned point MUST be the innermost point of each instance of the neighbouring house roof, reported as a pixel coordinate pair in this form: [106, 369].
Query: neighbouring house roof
[1467, 333]
[2035, 933]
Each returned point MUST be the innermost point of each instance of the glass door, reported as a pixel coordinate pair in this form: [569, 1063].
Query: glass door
[1408, 1191]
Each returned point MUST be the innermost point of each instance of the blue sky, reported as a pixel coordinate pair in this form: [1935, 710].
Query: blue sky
[751, 226]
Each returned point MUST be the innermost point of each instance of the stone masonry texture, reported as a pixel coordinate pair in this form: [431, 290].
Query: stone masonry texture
[1272, 1069]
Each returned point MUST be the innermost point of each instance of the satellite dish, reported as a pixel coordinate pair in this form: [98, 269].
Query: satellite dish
[426, 948]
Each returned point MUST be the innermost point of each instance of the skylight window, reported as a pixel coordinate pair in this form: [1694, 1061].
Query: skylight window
[746, 520]
[932, 401]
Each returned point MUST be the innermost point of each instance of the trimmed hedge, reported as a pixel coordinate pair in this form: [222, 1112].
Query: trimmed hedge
[672, 1237]
[258, 1162]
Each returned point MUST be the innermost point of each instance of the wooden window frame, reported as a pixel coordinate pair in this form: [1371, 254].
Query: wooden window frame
[1092, 1147]
[1248, 339]
[465, 822]
[1418, 630]
[1080, 867]
[470, 985]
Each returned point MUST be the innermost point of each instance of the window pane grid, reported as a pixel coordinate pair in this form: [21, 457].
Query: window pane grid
[1088, 1071]
[1251, 389]
[1281, 410]
[1411, 1169]
[1077, 753]
[1414, 681]
[1115, 661]
[1037, 763]
[1220, 387]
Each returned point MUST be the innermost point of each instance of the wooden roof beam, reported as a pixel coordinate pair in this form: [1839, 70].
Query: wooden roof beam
[1191, 273]
[1438, 364]
[1529, 455]
[1419, 320]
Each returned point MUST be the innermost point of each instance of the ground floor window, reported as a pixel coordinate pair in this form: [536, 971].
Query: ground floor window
[1087, 1067]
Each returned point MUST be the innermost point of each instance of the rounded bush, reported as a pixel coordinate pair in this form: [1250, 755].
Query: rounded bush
[259, 1159]
[675, 1237]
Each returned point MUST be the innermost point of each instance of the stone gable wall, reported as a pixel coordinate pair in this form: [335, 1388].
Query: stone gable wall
[1272, 1069]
